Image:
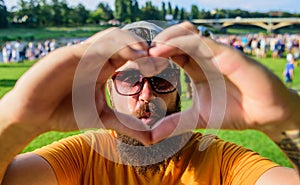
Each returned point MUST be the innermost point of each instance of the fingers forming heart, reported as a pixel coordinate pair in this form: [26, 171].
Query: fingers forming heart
[177, 43]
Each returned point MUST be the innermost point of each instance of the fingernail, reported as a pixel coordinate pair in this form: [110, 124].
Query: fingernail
[142, 52]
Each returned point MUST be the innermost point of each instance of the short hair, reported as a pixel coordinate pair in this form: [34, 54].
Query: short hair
[144, 29]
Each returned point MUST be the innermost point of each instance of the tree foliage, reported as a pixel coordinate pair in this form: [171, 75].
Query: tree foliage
[3, 14]
[163, 10]
[150, 12]
[103, 12]
[170, 10]
[195, 12]
[37, 13]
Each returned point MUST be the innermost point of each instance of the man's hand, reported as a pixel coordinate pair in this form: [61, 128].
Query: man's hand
[42, 98]
[228, 85]
[42, 101]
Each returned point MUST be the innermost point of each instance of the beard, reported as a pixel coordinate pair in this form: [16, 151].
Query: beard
[155, 158]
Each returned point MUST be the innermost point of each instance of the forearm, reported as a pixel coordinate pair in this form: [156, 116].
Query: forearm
[288, 141]
[290, 138]
[12, 141]
[13, 138]
[25, 111]
[290, 122]
[286, 133]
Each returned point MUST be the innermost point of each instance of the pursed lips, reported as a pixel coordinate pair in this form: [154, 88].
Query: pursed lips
[149, 118]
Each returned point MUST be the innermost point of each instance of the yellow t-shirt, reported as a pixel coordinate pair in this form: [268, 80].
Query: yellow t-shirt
[75, 162]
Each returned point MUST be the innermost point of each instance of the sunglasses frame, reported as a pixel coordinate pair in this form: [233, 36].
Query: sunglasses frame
[150, 80]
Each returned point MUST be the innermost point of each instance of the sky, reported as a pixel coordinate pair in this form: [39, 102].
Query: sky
[292, 6]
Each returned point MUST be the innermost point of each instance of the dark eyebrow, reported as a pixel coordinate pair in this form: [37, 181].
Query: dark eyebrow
[134, 70]
[126, 70]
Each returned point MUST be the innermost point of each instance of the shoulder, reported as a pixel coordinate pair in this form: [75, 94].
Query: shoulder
[236, 163]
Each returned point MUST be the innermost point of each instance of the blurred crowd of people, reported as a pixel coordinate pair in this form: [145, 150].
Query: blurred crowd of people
[261, 45]
[276, 45]
[16, 51]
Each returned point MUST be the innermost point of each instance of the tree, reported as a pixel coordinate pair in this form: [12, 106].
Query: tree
[176, 13]
[170, 10]
[44, 13]
[28, 13]
[182, 14]
[102, 13]
[135, 11]
[204, 14]
[129, 11]
[65, 12]
[120, 10]
[79, 15]
[150, 12]
[23, 4]
[34, 7]
[163, 10]
[3, 14]
[21, 15]
[56, 13]
[195, 12]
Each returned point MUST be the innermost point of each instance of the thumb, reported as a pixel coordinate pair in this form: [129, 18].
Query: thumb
[177, 124]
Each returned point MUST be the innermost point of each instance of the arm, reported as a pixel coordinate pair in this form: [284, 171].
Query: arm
[41, 101]
[29, 169]
[20, 123]
[253, 96]
[278, 176]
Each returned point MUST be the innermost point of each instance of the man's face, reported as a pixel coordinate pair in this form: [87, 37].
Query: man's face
[148, 94]
[147, 98]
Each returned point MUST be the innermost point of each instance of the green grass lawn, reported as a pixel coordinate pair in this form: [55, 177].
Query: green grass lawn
[277, 66]
[36, 34]
[10, 73]
[257, 141]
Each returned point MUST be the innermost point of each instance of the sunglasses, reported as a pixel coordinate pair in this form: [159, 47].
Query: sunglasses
[130, 82]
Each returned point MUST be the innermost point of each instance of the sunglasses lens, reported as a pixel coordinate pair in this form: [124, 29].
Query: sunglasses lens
[127, 82]
[165, 82]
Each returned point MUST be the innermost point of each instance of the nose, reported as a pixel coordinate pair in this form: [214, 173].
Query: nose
[146, 93]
